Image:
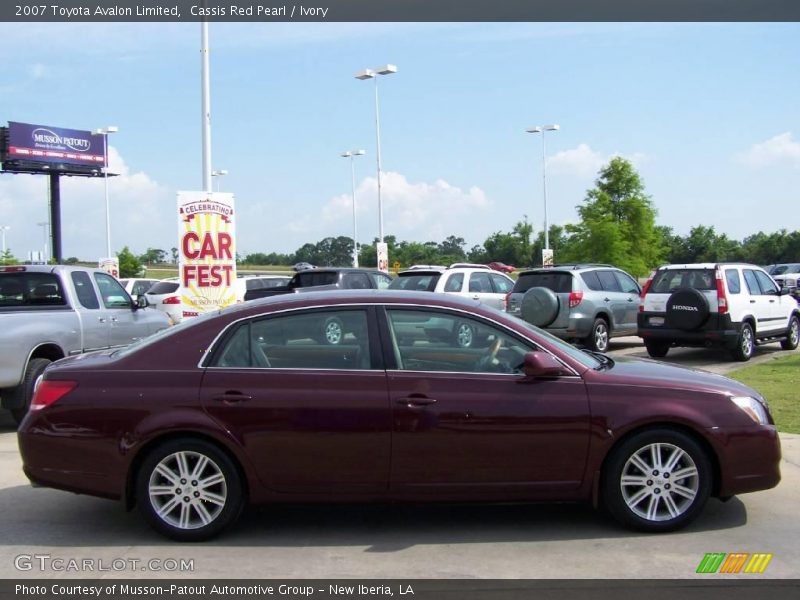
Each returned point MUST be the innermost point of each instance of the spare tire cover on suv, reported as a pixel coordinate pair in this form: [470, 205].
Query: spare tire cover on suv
[687, 308]
[539, 306]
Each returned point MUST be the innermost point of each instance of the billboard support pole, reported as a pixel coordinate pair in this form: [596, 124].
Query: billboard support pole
[55, 216]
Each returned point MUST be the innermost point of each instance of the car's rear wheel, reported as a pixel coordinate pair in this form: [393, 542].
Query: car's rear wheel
[745, 344]
[464, 335]
[333, 331]
[598, 338]
[656, 349]
[20, 397]
[657, 480]
[189, 490]
[793, 335]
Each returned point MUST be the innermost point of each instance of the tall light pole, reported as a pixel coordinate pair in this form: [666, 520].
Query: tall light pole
[218, 174]
[542, 129]
[44, 225]
[373, 74]
[104, 132]
[351, 154]
[4, 228]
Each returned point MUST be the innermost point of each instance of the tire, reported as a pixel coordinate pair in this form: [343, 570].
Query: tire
[21, 396]
[463, 335]
[539, 306]
[745, 344]
[192, 517]
[333, 331]
[687, 309]
[640, 488]
[657, 349]
[792, 334]
[599, 337]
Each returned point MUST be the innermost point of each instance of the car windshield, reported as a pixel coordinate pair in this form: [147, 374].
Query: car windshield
[558, 282]
[783, 269]
[423, 282]
[163, 287]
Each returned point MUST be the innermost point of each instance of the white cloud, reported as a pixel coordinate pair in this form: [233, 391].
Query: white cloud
[414, 211]
[780, 149]
[142, 212]
[585, 162]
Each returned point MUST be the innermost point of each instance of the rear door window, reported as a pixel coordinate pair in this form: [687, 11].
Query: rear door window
[608, 281]
[454, 282]
[479, 283]
[591, 280]
[752, 282]
[31, 289]
[84, 290]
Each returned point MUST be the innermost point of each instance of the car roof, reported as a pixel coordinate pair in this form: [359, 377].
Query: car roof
[707, 265]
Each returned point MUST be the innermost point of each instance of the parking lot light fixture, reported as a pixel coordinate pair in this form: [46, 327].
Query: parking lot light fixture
[373, 74]
[351, 154]
[3, 229]
[104, 132]
[218, 174]
[542, 129]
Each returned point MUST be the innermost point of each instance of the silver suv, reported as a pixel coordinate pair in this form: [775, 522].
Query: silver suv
[585, 303]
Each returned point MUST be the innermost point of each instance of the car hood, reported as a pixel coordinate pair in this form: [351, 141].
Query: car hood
[630, 371]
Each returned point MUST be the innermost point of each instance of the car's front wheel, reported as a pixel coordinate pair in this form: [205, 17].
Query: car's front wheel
[792, 335]
[189, 490]
[657, 480]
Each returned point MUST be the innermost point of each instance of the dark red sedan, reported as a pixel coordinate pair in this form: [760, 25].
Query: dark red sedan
[502, 267]
[259, 403]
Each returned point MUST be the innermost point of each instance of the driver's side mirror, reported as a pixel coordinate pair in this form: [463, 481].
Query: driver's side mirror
[141, 302]
[541, 364]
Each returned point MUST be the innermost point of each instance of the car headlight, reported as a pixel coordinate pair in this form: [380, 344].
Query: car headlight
[754, 409]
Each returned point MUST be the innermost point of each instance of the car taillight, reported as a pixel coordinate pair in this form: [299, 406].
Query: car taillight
[50, 391]
[645, 289]
[171, 300]
[722, 299]
[575, 298]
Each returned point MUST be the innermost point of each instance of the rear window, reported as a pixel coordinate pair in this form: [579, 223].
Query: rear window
[669, 280]
[31, 289]
[783, 269]
[424, 282]
[557, 282]
[315, 278]
[163, 287]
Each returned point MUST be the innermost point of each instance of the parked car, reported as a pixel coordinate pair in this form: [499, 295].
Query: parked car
[302, 266]
[478, 282]
[245, 283]
[786, 276]
[587, 303]
[165, 296]
[137, 287]
[502, 267]
[238, 407]
[49, 312]
[328, 278]
[735, 306]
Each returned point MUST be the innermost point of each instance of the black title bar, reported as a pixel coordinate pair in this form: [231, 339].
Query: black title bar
[398, 10]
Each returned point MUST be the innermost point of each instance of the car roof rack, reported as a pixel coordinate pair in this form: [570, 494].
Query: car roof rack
[576, 266]
[469, 266]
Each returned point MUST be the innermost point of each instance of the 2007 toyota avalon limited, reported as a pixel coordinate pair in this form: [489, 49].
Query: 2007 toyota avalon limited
[349, 396]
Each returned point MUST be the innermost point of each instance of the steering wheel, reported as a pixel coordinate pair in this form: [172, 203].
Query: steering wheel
[486, 363]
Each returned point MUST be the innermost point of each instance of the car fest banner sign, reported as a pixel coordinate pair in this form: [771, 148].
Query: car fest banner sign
[207, 253]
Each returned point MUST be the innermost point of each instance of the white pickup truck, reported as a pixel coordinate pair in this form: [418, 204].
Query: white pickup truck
[50, 312]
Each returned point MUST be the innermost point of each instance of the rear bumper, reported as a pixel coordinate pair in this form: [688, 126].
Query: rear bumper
[716, 331]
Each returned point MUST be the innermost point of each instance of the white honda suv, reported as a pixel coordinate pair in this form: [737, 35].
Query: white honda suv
[736, 306]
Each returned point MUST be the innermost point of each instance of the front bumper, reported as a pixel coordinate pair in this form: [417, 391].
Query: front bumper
[749, 457]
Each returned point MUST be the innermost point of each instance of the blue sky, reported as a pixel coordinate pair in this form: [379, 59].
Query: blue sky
[707, 112]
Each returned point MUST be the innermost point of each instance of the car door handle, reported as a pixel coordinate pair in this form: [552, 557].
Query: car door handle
[631, 299]
[101, 319]
[772, 301]
[606, 299]
[416, 400]
[752, 301]
[232, 397]
[476, 297]
[113, 319]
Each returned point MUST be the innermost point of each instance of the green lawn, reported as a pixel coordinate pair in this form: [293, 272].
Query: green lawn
[779, 382]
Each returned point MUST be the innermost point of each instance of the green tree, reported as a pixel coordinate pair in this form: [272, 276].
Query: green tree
[617, 223]
[129, 265]
[514, 247]
[153, 255]
[7, 258]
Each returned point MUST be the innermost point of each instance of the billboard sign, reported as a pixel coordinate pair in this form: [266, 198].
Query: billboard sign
[207, 251]
[110, 265]
[45, 144]
[383, 257]
[547, 257]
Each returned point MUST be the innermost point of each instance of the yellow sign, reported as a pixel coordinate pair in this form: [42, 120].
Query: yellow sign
[396, 267]
[207, 251]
